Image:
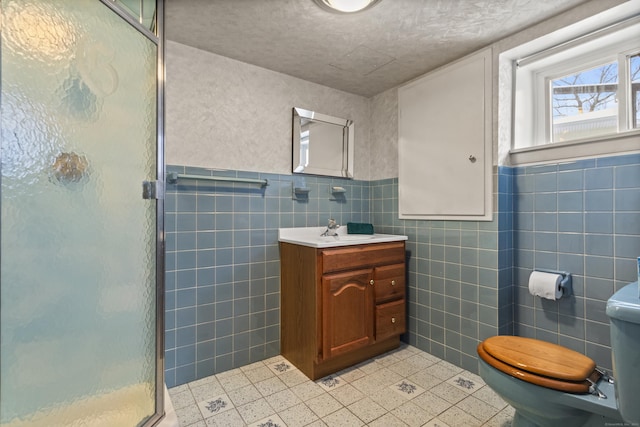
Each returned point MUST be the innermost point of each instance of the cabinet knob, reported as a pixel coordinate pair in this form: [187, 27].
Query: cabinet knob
[371, 282]
[393, 283]
[472, 158]
[393, 320]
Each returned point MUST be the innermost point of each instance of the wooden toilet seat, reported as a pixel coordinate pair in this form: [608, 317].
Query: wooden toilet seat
[540, 363]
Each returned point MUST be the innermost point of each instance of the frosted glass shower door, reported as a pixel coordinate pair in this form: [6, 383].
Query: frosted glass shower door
[78, 242]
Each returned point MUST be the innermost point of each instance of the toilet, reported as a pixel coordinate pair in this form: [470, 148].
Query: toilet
[550, 385]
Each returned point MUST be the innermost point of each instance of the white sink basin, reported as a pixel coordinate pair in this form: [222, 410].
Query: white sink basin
[311, 236]
[355, 237]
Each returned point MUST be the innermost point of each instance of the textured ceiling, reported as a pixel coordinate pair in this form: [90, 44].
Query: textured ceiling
[364, 53]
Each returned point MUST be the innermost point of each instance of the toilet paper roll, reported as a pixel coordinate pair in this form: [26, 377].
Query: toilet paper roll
[545, 285]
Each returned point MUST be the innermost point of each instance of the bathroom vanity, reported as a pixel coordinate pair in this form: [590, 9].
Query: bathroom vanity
[342, 299]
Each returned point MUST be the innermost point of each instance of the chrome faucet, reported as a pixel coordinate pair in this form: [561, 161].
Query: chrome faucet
[332, 228]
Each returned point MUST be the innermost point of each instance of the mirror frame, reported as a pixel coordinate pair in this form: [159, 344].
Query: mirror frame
[344, 170]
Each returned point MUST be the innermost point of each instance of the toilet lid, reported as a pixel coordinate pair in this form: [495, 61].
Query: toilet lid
[540, 357]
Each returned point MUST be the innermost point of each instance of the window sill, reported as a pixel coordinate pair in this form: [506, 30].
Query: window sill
[622, 143]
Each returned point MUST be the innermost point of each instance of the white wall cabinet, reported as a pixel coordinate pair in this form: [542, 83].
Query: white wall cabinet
[444, 142]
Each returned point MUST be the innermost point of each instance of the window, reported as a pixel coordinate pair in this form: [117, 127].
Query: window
[634, 72]
[583, 104]
[581, 91]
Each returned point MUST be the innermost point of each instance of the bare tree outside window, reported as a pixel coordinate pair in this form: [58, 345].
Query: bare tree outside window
[585, 104]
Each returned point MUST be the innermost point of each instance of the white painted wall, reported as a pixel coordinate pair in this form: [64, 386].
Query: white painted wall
[222, 113]
[226, 114]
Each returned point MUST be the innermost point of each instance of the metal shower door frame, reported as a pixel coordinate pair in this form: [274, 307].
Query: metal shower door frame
[159, 179]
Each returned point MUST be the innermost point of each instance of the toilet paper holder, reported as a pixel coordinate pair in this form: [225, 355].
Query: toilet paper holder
[565, 284]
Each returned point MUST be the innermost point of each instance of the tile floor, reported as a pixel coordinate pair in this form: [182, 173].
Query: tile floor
[405, 387]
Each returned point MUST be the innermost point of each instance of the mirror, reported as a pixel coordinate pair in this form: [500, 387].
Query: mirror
[322, 145]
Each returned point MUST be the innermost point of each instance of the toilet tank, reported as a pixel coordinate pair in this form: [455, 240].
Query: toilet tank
[623, 309]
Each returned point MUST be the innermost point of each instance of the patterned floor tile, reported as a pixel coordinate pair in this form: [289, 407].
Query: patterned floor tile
[405, 387]
[279, 367]
[272, 421]
[331, 382]
[215, 405]
[464, 383]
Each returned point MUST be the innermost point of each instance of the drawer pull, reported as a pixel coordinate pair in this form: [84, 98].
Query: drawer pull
[393, 283]
[393, 320]
[371, 282]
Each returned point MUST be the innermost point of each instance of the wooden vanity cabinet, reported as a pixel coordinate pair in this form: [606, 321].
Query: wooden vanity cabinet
[342, 305]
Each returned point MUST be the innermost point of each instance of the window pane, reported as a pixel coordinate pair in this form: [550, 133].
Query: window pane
[634, 73]
[584, 103]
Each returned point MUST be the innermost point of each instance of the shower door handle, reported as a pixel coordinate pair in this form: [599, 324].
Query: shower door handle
[152, 190]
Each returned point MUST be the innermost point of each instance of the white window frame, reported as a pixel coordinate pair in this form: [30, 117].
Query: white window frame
[531, 96]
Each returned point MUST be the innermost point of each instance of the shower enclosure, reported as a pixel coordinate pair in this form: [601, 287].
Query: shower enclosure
[81, 251]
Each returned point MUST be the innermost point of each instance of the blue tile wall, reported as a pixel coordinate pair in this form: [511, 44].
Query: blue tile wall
[222, 263]
[466, 280]
[454, 267]
[222, 268]
[582, 217]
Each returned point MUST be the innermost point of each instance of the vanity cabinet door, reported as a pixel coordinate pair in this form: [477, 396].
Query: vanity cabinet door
[347, 312]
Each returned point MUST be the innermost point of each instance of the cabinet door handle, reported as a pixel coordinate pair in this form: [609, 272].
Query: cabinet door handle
[371, 282]
[393, 283]
[393, 320]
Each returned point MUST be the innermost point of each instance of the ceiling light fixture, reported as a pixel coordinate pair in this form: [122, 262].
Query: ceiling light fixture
[346, 6]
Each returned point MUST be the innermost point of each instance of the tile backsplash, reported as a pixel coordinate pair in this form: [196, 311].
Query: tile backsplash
[466, 280]
[223, 268]
[582, 217]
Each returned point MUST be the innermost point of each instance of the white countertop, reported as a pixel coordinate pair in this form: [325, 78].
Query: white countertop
[311, 236]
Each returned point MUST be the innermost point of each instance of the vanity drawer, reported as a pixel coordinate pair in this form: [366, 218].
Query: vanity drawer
[390, 319]
[358, 256]
[389, 282]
